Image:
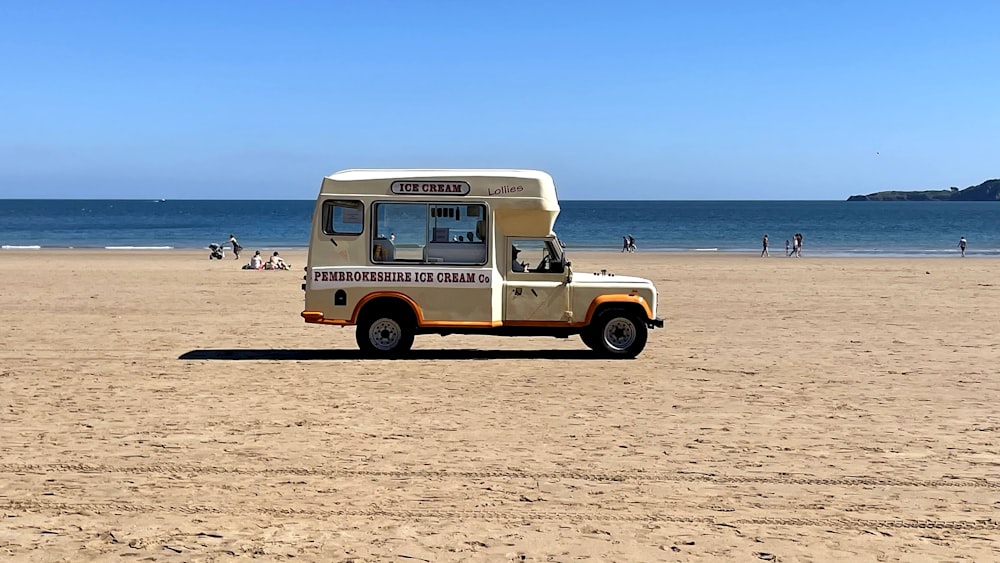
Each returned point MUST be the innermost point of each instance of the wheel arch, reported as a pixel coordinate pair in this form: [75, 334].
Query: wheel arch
[388, 299]
[631, 303]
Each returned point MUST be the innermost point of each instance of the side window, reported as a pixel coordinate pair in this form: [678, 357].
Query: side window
[535, 255]
[457, 223]
[430, 233]
[399, 232]
[343, 217]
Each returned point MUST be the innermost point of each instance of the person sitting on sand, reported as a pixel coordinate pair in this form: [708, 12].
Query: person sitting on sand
[276, 262]
[256, 262]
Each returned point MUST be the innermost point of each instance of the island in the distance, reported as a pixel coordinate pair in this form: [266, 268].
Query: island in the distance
[987, 191]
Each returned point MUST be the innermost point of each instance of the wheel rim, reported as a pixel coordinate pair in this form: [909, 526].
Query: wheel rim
[385, 334]
[619, 333]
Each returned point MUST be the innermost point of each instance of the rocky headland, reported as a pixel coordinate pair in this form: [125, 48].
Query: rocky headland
[987, 191]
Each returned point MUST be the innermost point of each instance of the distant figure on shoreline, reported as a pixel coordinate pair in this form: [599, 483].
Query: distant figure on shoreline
[631, 243]
[961, 245]
[798, 245]
[624, 243]
[763, 253]
[788, 251]
[236, 246]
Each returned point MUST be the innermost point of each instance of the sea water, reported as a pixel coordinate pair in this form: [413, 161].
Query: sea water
[829, 228]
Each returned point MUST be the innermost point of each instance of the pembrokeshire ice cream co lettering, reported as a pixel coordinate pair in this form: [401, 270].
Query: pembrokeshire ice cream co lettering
[328, 278]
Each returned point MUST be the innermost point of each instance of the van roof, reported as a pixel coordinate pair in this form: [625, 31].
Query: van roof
[391, 173]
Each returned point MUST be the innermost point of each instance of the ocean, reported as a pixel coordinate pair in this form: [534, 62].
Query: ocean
[829, 228]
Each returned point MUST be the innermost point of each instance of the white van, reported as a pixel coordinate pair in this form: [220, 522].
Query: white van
[405, 252]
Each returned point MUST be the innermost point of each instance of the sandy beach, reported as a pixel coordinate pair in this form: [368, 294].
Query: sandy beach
[162, 406]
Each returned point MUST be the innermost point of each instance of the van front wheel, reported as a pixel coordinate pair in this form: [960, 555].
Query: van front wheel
[619, 334]
[384, 335]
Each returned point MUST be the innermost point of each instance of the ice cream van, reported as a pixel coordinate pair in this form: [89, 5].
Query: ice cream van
[399, 253]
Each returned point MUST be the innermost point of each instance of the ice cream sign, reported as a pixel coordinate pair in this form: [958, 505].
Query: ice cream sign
[346, 276]
[429, 187]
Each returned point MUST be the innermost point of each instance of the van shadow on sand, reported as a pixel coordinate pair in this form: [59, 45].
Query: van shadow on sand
[278, 354]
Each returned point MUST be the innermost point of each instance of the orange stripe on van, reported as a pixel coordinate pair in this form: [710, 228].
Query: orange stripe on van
[419, 312]
[546, 324]
[619, 298]
[394, 294]
[462, 324]
[312, 316]
[317, 317]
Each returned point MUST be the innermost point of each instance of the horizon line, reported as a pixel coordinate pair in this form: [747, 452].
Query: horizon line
[230, 200]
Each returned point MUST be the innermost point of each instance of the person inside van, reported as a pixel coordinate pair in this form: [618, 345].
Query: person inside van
[515, 265]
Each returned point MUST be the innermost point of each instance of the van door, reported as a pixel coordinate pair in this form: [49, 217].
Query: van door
[535, 288]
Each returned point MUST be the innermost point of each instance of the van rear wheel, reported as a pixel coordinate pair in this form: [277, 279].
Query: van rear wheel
[385, 335]
[618, 334]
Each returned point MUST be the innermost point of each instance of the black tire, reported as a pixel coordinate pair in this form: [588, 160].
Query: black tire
[589, 337]
[618, 333]
[385, 334]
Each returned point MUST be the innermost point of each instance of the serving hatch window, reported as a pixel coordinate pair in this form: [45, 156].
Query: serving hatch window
[429, 233]
[343, 217]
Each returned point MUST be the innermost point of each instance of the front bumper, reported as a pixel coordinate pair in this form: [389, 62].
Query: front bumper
[654, 323]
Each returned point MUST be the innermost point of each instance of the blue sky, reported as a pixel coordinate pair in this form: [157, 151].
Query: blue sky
[617, 100]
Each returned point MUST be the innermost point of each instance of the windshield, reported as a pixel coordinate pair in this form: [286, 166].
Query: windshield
[556, 250]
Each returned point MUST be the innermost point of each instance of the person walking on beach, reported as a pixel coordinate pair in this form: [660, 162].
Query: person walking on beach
[624, 243]
[961, 245]
[236, 246]
[788, 251]
[763, 253]
[798, 245]
[631, 243]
